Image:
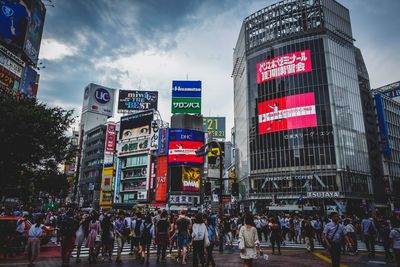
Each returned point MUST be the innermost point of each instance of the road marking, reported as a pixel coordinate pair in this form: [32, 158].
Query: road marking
[327, 259]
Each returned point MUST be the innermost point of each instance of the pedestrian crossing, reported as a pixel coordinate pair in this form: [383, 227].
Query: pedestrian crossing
[287, 244]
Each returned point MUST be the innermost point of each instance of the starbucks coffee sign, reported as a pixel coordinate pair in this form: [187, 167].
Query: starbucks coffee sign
[324, 194]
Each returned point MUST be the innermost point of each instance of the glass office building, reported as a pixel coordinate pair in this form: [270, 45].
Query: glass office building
[300, 134]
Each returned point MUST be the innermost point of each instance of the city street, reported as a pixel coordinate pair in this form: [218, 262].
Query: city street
[289, 257]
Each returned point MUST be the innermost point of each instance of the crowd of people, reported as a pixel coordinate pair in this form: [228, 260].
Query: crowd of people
[200, 233]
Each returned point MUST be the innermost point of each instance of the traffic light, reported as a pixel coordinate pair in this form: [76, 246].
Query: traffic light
[235, 189]
[207, 188]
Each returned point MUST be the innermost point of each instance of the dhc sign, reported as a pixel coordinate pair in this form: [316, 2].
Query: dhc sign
[102, 96]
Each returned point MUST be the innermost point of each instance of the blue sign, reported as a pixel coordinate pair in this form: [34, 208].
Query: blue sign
[393, 93]
[178, 134]
[383, 129]
[102, 96]
[186, 89]
[118, 178]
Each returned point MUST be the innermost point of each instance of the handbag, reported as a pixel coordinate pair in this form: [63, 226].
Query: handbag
[98, 238]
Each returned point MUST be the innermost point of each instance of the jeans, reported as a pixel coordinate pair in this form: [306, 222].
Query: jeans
[162, 250]
[335, 254]
[198, 252]
[370, 243]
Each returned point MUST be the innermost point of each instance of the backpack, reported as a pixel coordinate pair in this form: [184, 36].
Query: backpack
[137, 227]
[371, 229]
[146, 235]
[214, 238]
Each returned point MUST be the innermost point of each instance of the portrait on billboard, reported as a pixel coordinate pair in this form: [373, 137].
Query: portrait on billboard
[136, 125]
[14, 19]
[35, 30]
[191, 177]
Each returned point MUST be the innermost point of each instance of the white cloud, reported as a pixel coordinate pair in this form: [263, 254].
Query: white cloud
[52, 49]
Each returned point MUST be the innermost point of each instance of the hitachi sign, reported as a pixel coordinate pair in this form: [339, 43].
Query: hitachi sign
[323, 195]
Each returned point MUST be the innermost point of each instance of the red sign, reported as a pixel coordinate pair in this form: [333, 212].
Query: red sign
[184, 152]
[110, 137]
[161, 179]
[289, 64]
[287, 113]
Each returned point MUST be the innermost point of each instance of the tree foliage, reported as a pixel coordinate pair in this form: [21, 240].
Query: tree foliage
[33, 143]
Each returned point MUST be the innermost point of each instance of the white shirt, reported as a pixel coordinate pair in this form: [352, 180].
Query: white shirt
[395, 235]
[199, 231]
[35, 231]
[350, 228]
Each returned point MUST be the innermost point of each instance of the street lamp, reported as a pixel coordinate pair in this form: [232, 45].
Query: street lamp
[202, 151]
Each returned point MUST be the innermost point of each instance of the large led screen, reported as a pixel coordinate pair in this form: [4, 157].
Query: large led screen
[182, 146]
[137, 100]
[35, 30]
[191, 178]
[289, 64]
[287, 113]
[136, 125]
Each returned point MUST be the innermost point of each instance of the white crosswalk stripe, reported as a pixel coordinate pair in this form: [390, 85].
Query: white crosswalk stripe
[127, 247]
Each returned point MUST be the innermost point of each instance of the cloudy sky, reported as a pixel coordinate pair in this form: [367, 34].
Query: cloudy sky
[127, 44]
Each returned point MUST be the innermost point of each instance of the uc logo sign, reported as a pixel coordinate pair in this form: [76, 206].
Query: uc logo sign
[102, 96]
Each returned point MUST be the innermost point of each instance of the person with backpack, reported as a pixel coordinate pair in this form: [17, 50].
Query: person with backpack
[68, 227]
[333, 235]
[213, 238]
[368, 231]
[136, 225]
[147, 235]
[200, 239]
[395, 239]
[183, 226]
[162, 236]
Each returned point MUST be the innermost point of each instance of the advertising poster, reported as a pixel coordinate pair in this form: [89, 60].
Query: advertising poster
[287, 113]
[111, 137]
[28, 82]
[215, 127]
[182, 146]
[161, 180]
[14, 20]
[9, 82]
[136, 125]
[289, 64]
[191, 177]
[129, 100]
[190, 105]
[99, 99]
[34, 30]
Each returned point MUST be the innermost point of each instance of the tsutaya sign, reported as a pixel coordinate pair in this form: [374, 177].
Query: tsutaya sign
[324, 194]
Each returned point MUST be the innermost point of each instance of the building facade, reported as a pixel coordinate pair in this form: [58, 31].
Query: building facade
[299, 129]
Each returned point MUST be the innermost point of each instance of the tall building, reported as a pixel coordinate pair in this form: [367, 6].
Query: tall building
[299, 129]
[387, 105]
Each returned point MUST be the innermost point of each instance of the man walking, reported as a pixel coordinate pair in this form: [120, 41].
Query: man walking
[368, 231]
[333, 234]
[121, 227]
[68, 227]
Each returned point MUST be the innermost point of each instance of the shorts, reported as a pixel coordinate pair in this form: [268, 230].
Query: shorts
[182, 241]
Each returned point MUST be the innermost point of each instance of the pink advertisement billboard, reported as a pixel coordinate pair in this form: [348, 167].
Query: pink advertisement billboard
[110, 137]
[287, 113]
[289, 64]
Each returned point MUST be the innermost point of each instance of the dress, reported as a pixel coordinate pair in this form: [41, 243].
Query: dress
[94, 228]
[250, 238]
[80, 236]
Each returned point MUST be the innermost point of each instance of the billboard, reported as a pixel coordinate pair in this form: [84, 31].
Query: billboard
[98, 99]
[14, 20]
[162, 142]
[182, 146]
[133, 146]
[281, 66]
[161, 180]
[28, 82]
[155, 132]
[383, 128]
[7, 61]
[186, 105]
[34, 31]
[111, 137]
[186, 89]
[136, 125]
[186, 97]
[214, 126]
[287, 113]
[129, 100]
[106, 186]
[9, 82]
[191, 177]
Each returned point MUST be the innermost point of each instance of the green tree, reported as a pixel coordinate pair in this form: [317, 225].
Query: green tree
[33, 143]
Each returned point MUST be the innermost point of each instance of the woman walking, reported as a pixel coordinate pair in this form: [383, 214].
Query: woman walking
[248, 239]
[94, 230]
[200, 240]
[213, 238]
[33, 245]
[148, 234]
[276, 234]
[107, 237]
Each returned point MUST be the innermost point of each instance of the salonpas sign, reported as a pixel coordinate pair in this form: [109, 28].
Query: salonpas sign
[326, 194]
[186, 105]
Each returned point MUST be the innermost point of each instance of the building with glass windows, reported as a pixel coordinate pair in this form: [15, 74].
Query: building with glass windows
[300, 138]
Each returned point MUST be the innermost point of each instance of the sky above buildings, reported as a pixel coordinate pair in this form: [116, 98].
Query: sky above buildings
[134, 44]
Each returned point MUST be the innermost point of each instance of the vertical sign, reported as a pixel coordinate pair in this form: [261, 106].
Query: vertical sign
[110, 137]
[155, 132]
